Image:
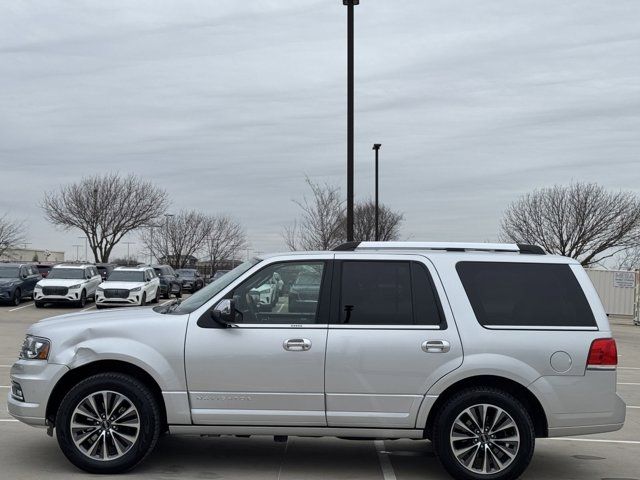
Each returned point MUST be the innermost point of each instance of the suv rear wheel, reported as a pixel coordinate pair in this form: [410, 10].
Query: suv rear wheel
[484, 433]
[108, 423]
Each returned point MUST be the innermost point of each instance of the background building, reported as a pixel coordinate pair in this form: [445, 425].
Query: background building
[31, 254]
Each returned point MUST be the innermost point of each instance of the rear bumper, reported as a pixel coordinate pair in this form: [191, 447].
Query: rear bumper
[581, 405]
[36, 379]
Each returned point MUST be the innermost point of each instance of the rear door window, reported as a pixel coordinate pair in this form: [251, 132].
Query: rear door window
[525, 295]
[388, 293]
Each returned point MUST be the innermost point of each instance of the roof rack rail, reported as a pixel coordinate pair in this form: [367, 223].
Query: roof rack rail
[446, 246]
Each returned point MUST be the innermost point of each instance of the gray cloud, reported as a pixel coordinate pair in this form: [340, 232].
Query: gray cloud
[228, 105]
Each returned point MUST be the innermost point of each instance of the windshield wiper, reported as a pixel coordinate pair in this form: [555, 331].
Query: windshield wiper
[173, 305]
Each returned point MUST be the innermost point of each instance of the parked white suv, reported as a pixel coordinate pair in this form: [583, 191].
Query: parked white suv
[129, 286]
[479, 348]
[68, 284]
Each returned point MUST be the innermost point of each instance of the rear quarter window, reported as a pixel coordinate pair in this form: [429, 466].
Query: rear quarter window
[525, 295]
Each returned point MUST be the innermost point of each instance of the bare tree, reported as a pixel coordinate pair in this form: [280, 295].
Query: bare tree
[629, 259]
[181, 237]
[320, 225]
[364, 222]
[105, 208]
[11, 233]
[582, 221]
[225, 239]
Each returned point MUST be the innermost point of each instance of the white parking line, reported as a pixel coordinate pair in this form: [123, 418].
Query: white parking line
[625, 383]
[594, 440]
[628, 368]
[89, 308]
[164, 303]
[633, 406]
[7, 420]
[385, 464]
[20, 308]
[5, 386]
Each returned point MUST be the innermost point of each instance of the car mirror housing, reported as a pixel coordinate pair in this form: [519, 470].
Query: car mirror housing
[222, 315]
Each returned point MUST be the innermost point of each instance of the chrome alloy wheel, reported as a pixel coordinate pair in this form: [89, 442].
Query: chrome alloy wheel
[105, 425]
[485, 439]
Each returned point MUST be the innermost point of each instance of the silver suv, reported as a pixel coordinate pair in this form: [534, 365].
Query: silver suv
[480, 348]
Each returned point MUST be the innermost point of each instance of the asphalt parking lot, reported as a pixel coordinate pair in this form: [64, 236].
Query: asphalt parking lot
[28, 453]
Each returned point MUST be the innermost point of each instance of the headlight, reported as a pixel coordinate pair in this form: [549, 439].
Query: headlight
[8, 285]
[75, 286]
[100, 289]
[137, 289]
[38, 287]
[35, 348]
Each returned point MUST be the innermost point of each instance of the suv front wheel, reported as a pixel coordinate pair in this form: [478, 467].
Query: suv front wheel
[484, 433]
[108, 423]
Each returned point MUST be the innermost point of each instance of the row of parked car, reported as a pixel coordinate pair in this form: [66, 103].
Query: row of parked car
[107, 284]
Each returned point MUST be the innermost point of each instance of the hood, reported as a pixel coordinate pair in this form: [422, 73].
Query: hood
[60, 282]
[83, 320]
[121, 285]
[6, 281]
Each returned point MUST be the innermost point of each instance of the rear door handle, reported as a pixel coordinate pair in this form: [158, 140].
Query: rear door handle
[297, 344]
[436, 346]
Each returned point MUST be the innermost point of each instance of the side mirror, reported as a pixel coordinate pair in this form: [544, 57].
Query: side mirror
[223, 315]
[177, 275]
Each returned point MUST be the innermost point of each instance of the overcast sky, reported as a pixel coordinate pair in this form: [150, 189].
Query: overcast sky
[228, 105]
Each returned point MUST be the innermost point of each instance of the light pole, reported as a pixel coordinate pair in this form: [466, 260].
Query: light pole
[77, 251]
[166, 235]
[376, 147]
[128, 255]
[350, 108]
[86, 258]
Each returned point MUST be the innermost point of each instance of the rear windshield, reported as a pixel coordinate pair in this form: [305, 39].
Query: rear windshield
[525, 294]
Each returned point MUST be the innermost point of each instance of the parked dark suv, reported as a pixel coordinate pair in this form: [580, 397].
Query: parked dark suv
[169, 282]
[17, 281]
[191, 279]
[105, 269]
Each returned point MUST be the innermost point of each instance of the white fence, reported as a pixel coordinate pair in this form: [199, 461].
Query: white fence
[618, 291]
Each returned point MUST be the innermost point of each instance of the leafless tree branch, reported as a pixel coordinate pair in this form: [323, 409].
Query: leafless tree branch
[11, 233]
[105, 208]
[582, 221]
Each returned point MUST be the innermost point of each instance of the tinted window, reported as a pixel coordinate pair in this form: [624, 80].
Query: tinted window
[525, 294]
[9, 272]
[426, 306]
[376, 293]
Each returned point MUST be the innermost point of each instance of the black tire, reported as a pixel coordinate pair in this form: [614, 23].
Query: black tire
[99, 307]
[143, 302]
[443, 425]
[167, 294]
[148, 413]
[83, 300]
[17, 297]
[39, 304]
[179, 294]
[157, 297]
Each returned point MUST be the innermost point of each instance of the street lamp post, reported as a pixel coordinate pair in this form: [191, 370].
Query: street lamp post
[128, 254]
[350, 115]
[166, 235]
[86, 251]
[376, 147]
[77, 252]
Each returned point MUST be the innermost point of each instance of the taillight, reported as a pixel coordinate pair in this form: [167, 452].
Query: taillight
[603, 354]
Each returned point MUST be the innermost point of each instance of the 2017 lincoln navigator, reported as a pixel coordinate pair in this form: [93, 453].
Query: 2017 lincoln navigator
[480, 348]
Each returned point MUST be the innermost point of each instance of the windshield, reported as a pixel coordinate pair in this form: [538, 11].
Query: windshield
[67, 273]
[186, 273]
[202, 296]
[126, 276]
[8, 272]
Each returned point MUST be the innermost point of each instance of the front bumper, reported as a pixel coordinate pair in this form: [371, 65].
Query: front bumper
[72, 296]
[134, 298]
[36, 378]
[6, 295]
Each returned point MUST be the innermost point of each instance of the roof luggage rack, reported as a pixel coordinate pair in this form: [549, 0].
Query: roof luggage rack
[445, 246]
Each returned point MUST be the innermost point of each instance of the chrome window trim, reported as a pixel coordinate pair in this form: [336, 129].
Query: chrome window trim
[539, 327]
[385, 327]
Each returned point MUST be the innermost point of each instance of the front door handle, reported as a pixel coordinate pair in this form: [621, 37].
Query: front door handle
[436, 346]
[297, 344]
